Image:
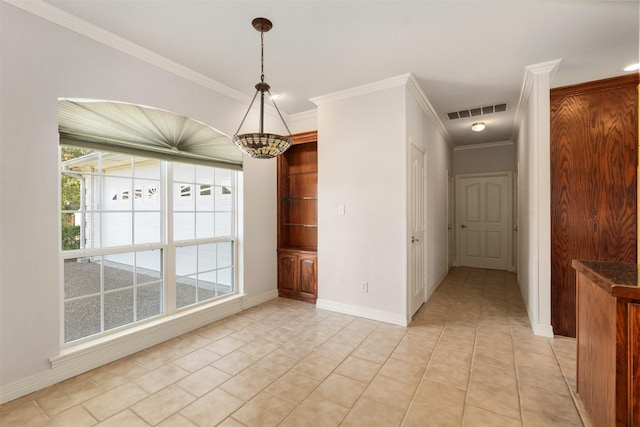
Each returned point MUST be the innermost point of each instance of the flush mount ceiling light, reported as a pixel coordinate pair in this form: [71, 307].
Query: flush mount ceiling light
[632, 67]
[262, 145]
[478, 126]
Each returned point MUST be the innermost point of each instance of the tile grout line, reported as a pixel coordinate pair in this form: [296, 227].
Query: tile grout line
[515, 365]
[424, 374]
[574, 396]
[473, 354]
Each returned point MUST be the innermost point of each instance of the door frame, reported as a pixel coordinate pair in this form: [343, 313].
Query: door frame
[457, 220]
[451, 209]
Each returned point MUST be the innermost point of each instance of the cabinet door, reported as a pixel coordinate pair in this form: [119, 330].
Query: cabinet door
[308, 275]
[287, 279]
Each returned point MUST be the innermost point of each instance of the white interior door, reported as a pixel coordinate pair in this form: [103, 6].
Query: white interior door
[484, 220]
[417, 222]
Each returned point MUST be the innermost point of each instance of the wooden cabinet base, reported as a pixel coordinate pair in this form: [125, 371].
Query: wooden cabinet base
[608, 342]
[298, 275]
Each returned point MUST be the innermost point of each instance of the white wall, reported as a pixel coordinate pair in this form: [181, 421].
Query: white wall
[482, 158]
[362, 162]
[534, 196]
[41, 62]
[422, 129]
[361, 165]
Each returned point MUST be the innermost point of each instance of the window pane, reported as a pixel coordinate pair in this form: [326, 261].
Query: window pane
[225, 281]
[205, 174]
[149, 301]
[206, 286]
[147, 228]
[118, 308]
[70, 186]
[147, 168]
[204, 199]
[204, 225]
[81, 318]
[92, 230]
[148, 266]
[81, 277]
[118, 271]
[223, 224]
[186, 291]
[183, 226]
[186, 260]
[117, 193]
[224, 199]
[207, 257]
[116, 229]
[225, 254]
[223, 177]
[71, 237]
[146, 195]
[183, 199]
[211, 282]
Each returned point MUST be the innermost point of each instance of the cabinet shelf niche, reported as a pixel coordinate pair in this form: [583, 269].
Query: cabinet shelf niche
[298, 219]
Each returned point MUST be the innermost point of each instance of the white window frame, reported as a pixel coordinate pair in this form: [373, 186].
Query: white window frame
[167, 245]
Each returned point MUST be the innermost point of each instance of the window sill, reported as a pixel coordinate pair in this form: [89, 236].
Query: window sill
[105, 349]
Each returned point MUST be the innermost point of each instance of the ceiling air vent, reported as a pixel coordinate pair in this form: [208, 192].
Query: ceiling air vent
[487, 110]
[478, 111]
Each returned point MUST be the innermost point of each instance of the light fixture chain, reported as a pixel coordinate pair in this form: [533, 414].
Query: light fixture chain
[262, 56]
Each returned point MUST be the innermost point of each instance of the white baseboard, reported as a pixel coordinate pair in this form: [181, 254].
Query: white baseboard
[249, 302]
[432, 291]
[367, 313]
[76, 360]
[542, 330]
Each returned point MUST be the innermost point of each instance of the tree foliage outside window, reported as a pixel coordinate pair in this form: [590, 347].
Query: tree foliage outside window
[70, 199]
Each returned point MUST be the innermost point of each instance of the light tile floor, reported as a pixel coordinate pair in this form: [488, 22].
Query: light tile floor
[469, 358]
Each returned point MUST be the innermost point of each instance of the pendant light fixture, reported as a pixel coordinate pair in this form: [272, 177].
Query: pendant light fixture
[262, 145]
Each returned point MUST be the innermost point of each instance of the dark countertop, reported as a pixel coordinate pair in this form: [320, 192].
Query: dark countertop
[620, 280]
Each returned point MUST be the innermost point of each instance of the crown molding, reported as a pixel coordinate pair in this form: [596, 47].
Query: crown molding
[486, 145]
[530, 72]
[73, 23]
[407, 80]
[304, 115]
[362, 89]
[418, 94]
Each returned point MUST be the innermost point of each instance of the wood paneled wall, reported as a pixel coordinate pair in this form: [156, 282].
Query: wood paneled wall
[594, 156]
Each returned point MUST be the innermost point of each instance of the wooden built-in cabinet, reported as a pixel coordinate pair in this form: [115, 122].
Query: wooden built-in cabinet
[594, 158]
[298, 219]
[608, 342]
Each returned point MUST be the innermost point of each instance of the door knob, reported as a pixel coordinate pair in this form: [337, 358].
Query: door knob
[413, 239]
[463, 226]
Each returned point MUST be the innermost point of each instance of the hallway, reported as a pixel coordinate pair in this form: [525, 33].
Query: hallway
[468, 358]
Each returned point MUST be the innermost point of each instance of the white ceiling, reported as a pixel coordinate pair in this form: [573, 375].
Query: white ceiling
[463, 53]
